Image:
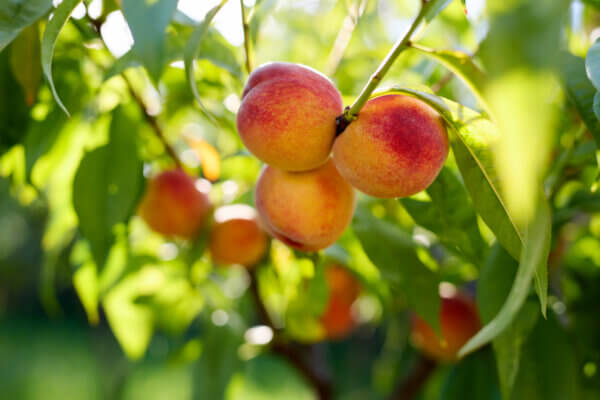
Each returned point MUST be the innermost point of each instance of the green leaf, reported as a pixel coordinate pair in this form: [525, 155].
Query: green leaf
[592, 64]
[535, 252]
[462, 65]
[15, 15]
[53, 28]
[580, 92]
[596, 105]
[449, 215]
[192, 48]
[549, 370]
[268, 377]
[26, 63]
[14, 113]
[107, 185]
[148, 22]
[494, 284]
[433, 8]
[472, 379]
[393, 253]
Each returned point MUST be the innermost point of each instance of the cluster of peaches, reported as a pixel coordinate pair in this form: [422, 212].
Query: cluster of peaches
[305, 197]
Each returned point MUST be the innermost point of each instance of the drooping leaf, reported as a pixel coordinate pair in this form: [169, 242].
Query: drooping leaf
[392, 251]
[536, 247]
[107, 185]
[191, 50]
[148, 21]
[53, 27]
[449, 215]
[15, 15]
[580, 92]
[463, 67]
[26, 63]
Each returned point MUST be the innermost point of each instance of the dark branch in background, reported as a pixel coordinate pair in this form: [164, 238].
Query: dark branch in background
[413, 384]
[151, 119]
[246, 29]
[290, 351]
[342, 40]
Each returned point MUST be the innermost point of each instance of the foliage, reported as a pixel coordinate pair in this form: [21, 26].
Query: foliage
[512, 219]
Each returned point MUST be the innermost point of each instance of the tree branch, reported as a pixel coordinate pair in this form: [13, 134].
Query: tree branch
[413, 384]
[294, 353]
[246, 29]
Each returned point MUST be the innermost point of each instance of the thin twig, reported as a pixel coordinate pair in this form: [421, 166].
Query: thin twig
[351, 112]
[292, 352]
[151, 119]
[343, 37]
[439, 85]
[414, 383]
[246, 29]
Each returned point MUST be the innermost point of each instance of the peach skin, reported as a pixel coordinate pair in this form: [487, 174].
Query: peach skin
[305, 210]
[459, 322]
[287, 116]
[395, 148]
[173, 206]
[236, 236]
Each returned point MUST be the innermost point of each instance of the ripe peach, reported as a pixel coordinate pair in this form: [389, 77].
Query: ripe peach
[337, 320]
[305, 210]
[236, 236]
[395, 148]
[287, 116]
[173, 206]
[459, 321]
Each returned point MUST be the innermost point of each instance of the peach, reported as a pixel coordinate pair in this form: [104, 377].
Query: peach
[236, 236]
[173, 206]
[305, 210]
[395, 148]
[459, 321]
[287, 116]
[337, 320]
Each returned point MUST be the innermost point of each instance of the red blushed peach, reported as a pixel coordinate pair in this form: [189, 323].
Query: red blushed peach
[287, 116]
[173, 206]
[395, 148]
[236, 236]
[459, 321]
[305, 210]
[338, 320]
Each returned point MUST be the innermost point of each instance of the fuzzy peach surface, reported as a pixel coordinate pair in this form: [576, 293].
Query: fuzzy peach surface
[459, 321]
[237, 239]
[173, 206]
[395, 148]
[287, 116]
[305, 210]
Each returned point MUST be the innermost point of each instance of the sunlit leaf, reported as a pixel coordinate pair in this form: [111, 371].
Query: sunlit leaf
[192, 49]
[107, 185]
[53, 27]
[592, 64]
[148, 21]
[16, 15]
